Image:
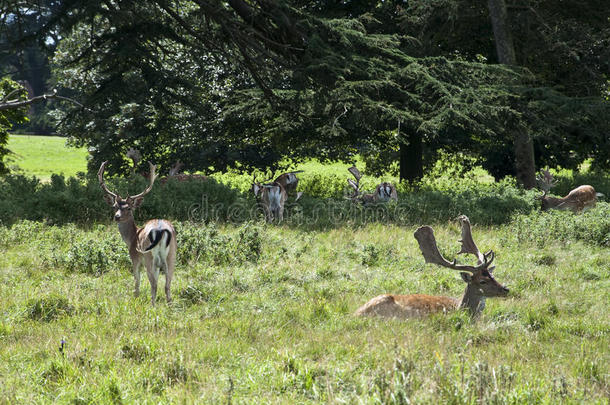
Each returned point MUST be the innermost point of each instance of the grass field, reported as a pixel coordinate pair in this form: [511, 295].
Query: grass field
[42, 156]
[271, 322]
[264, 313]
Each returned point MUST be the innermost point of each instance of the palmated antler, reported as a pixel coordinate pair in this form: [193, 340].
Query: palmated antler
[152, 177]
[355, 184]
[545, 181]
[427, 245]
[100, 177]
[468, 245]
[355, 172]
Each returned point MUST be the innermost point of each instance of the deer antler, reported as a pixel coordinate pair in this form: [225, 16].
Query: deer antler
[355, 172]
[545, 181]
[152, 177]
[427, 245]
[176, 168]
[468, 245]
[100, 177]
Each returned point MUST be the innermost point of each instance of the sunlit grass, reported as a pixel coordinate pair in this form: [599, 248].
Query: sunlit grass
[42, 156]
[281, 329]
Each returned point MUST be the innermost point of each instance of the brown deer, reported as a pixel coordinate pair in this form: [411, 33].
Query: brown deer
[272, 196]
[577, 200]
[290, 182]
[175, 174]
[384, 192]
[479, 282]
[154, 243]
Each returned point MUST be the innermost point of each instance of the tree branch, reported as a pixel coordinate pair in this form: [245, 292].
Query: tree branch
[14, 104]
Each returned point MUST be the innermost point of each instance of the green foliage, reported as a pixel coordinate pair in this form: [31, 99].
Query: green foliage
[592, 226]
[8, 118]
[205, 244]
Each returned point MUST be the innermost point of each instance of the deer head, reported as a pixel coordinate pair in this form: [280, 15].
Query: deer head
[124, 206]
[479, 278]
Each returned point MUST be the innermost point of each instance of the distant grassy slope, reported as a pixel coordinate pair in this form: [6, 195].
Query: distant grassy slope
[42, 156]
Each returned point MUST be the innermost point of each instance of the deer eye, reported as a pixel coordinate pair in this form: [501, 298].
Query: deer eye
[483, 282]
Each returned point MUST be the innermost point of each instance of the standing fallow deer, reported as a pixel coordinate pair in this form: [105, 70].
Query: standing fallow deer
[577, 200]
[479, 282]
[384, 192]
[290, 182]
[154, 243]
[272, 197]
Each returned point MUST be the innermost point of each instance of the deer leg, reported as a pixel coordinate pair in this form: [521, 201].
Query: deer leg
[280, 213]
[169, 264]
[135, 270]
[152, 269]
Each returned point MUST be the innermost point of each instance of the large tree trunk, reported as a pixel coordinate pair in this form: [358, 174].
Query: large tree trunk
[525, 166]
[411, 158]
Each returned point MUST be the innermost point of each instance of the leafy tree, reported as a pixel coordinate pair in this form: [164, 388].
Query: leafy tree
[9, 90]
[245, 84]
[26, 59]
[566, 46]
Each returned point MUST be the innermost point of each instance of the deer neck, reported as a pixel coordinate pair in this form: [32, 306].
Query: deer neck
[552, 202]
[472, 300]
[129, 232]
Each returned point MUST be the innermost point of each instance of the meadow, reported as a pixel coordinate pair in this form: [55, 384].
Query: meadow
[264, 313]
[42, 156]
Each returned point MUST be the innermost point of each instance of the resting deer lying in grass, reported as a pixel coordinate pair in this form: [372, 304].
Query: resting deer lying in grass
[383, 192]
[175, 173]
[272, 197]
[154, 243]
[579, 199]
[479, 282]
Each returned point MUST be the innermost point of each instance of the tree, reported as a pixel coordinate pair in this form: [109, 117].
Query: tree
[245, 84]
[25, 59]
[9, 90]
[525, 165]
[565, 47]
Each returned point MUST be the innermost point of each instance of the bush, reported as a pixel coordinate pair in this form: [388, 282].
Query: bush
[204, 243]
[592, 226]
[49, 308]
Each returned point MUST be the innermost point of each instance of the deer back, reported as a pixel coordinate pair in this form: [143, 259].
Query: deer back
[576, 200]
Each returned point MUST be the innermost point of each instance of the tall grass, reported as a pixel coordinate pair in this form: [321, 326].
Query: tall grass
[264, 314]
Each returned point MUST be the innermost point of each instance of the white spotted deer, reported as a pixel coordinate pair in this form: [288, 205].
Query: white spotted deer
[577, 200]
[384, 192]
[154, 243]
[479, 282]
[272, 197]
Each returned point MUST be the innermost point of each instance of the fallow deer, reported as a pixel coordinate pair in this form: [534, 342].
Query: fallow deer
[272, 197]
[175, 173]
[479, 282]
[154, 243]
[579, 199]
[384, 192]
[290, 182]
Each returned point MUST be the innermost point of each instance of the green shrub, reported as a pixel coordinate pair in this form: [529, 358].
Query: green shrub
[592, 226]
[49, 308]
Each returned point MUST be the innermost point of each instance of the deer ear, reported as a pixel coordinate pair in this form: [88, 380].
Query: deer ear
[256, 188]
[135, 203]
[110, 200]
[467, 277]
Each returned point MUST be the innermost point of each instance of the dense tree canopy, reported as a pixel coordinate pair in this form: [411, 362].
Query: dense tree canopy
[246, 84]
[9, 90]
